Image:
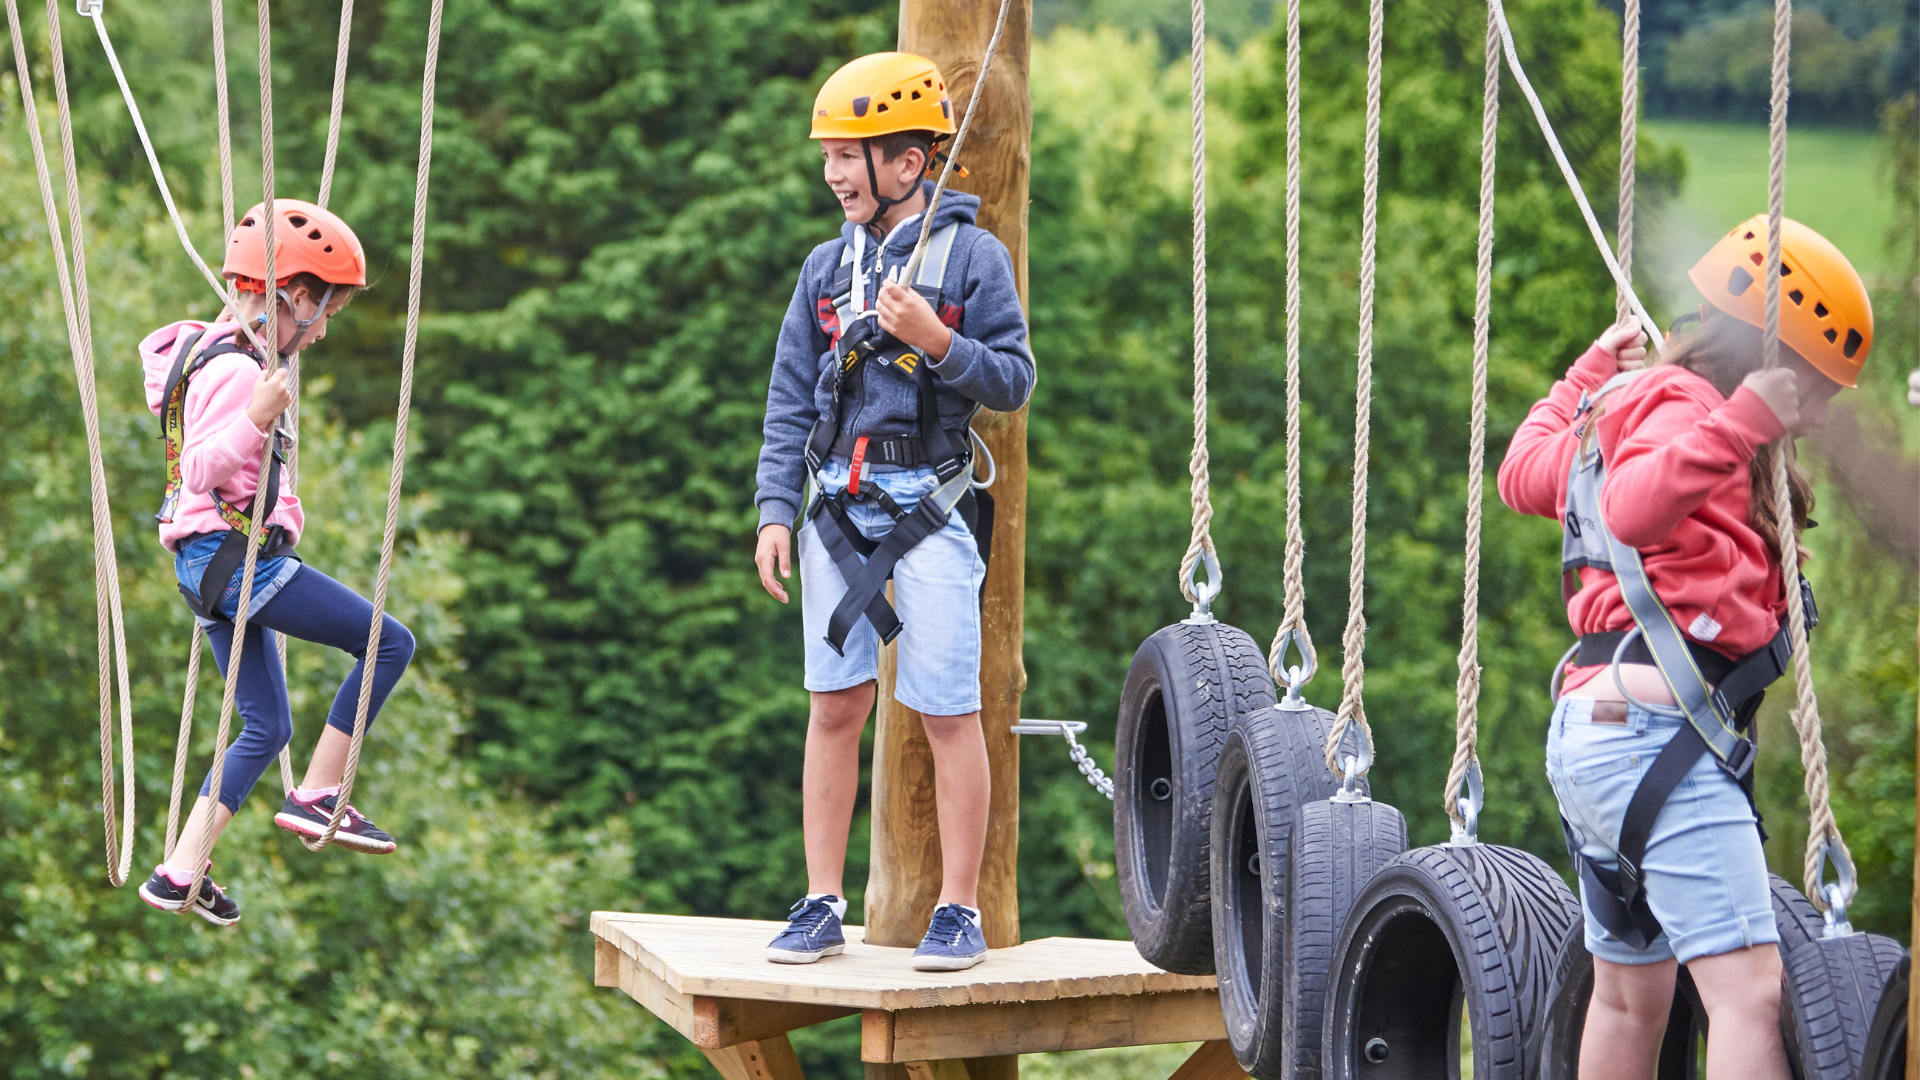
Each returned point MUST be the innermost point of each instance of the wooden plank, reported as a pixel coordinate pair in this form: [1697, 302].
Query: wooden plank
[936, 1070]
[768, 1059]
[876, 1036]
[1213, 1061]
[1049, 1026]
[663, 1001]
[721, 1022]
[606, 963]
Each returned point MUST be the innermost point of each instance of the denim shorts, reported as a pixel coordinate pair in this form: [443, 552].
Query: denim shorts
[1704, 872]
[936, 592]
[269, 576]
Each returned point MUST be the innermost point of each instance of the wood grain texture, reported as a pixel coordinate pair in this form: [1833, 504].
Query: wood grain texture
[768, 1059]
[1044, 1027]
[726, 958]
[904, 879]
[936, 1070]
[1212, 1061]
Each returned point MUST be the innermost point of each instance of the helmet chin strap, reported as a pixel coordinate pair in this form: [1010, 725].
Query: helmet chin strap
[300, 325]
[883, 204]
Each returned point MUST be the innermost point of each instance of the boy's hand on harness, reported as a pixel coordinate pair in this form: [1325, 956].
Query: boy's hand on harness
[906, 315]
[774, 548]
[270, 398]
[1627, 344]
[1781, 391]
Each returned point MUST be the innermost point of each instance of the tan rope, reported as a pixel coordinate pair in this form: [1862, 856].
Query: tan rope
[1466, 721]
[1821, 827]
[184, 740]
[1293, 622]
[414, 279]
[339, 102]
[1354, 641]
[1629, 147]
[223, 114]
[1201, 543]
[953, 152]
[111, 644]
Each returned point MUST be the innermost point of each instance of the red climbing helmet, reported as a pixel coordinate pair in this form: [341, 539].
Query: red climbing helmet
[307, 240]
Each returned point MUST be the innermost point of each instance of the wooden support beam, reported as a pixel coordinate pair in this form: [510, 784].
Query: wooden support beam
[904, 879]
[709, 1023]
[1036, 1027]
[936, 1070]
[767, 1059]
[1213, 1061]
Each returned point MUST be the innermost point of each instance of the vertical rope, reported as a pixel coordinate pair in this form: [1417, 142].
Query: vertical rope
[398, 474]
[1294, 621]
[1200, 545]
[1354, 641]
[110, 643]
[339, 102]
[959, 139]
[1821, 827]
[223, 113]
[1629, 147]
[1466, 723]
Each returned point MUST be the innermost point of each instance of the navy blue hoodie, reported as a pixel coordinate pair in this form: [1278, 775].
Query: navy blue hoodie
[988, 362]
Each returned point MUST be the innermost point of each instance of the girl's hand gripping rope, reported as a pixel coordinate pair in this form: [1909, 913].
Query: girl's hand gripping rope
[1627, 342]
[271, 396]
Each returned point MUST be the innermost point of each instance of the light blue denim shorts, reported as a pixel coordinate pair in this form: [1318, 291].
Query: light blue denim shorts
[269, 576]
[1704, 872]
[936, 592]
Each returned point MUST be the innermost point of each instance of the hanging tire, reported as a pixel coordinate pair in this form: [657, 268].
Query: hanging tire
[1830, 998]
[1188, 682]
[1274, 762]
[1496, 915]
[1566, 1015]
[1886, 1056]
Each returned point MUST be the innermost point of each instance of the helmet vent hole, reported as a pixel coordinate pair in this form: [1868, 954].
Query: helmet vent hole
[1832, 335]
[882, 108]
[1854, 341]
[315, 235]
[1819, 310]
[247, 224]
[1749, 236]
[1757, 258]
[1739, 281]
[896, 95]
[1785, 270]
[297, 221]
[916, 95]
[329, 249]
[926, 82]
[1797, 297]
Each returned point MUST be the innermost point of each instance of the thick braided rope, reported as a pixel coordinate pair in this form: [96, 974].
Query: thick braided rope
[1201, 543]
[1629, 146]
[398, 474]
[223, 116]
[1293, 622]
[959, 139]
[1466, 694]
[1821, 827]
[257, 512]
[1354, 642]
[339, 102]
[110, 644]
[183, 741]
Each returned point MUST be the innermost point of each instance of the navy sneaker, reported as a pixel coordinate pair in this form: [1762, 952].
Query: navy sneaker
[213, 905]
[953, 943]
[309, 819]
[813, 931]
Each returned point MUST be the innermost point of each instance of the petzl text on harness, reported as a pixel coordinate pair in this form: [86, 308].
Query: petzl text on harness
[1716, 713]
[192, 355]
[866, 564]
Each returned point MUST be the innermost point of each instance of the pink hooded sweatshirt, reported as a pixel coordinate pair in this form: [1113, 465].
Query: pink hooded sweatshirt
[1677, 489]
[222, 448]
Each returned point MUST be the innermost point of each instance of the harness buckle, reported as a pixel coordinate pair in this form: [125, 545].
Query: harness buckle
[1739, 761]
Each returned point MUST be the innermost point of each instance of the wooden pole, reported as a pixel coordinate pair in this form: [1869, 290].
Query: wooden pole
[903, 883]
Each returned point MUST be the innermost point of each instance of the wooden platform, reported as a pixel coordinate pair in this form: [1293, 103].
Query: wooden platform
[710, 980]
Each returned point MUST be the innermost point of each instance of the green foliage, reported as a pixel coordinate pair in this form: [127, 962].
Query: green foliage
[1723, 65]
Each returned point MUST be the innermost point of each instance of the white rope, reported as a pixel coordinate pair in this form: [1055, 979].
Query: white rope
[1620, 279]
[1629, 148]
[339, 102]
[111, 640]
[1200, 544]
[1354, 642]
[398, 473]
[1293, 622]
[1466, 724]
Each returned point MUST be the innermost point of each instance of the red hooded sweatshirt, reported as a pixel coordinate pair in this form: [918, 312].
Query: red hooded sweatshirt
[1677, 489]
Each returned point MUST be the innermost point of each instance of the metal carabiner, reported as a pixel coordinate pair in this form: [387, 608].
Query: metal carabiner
[1839, 894]
[993, 470]
[1466, 831]
[1205, 593]
[1620, 684]
[1298, 675]
[1356, 766]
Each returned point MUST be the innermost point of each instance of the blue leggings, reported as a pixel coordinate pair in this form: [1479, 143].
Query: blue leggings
[311, 607]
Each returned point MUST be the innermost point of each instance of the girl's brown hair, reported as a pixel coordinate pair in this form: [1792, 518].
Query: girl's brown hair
[1724, 350]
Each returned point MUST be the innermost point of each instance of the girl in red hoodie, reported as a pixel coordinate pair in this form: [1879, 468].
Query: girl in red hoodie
[219, 409]
[1689, 447]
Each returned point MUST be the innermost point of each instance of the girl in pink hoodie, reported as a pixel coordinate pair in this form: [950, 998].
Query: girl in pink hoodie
[219, 409]
[1689, 448]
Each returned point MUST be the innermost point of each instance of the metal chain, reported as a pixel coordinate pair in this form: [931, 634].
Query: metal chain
[110, 624]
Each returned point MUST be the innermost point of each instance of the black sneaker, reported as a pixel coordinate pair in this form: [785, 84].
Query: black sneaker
[214, 905]
[309, 819]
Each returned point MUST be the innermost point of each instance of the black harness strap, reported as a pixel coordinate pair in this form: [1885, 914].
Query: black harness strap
[1617, 896]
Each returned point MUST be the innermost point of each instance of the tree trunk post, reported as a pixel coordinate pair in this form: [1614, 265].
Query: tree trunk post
[903, 882]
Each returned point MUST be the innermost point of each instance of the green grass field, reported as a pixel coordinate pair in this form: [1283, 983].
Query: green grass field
[1835, 184]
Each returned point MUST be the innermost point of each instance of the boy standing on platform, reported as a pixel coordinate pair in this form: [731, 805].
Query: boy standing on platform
[874, 382]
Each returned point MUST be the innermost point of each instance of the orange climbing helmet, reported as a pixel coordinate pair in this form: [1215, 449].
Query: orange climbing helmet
[307, 240]
[1825, 314]
[881, 94]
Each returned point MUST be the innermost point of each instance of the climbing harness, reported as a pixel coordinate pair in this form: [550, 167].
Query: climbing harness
[866, 565]
[111, 646]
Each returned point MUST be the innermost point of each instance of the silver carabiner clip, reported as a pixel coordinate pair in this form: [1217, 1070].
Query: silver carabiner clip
[1840, 893]
[1298, 675]
[1466, 831]
[1356, 766]
[1204, 593]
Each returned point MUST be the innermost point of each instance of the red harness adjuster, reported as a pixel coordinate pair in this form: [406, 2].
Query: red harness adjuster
[859, 462]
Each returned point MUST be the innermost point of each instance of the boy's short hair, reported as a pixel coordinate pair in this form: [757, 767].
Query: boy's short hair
[895, 143]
